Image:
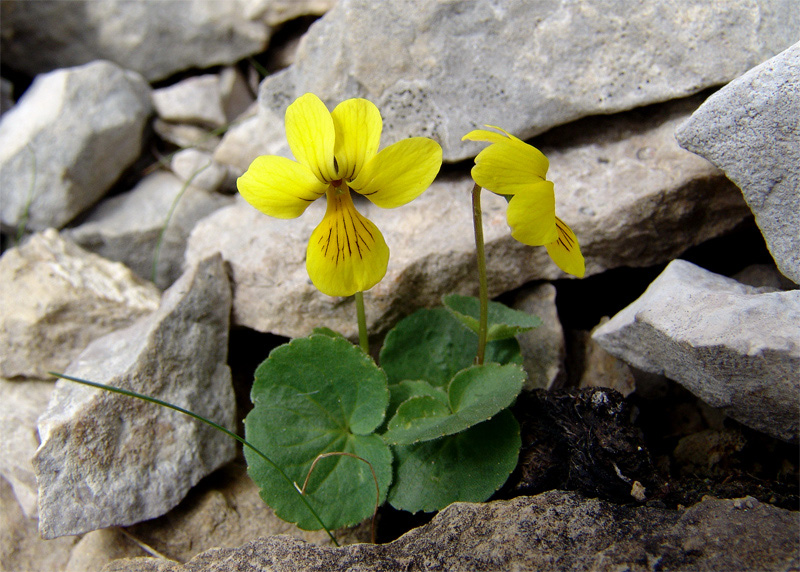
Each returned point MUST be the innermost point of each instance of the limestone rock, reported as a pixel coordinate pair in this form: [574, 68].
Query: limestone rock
[6, 95]
[100, 547]
[67, 140]
[441, 69]
[127, 227]
[630, 193]
[184, 135]
[543, 348]
[734, 346]
[154, 39]
[108, 459]
[56, 298]
[751, 130]
[601, 369]
[553, 530]
[21, 403]
[195, 100]
[252, 135]
[275, 12]
[199, 169]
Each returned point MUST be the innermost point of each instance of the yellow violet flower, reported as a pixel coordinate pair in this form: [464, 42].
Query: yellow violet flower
[511, 167]
[337, 152]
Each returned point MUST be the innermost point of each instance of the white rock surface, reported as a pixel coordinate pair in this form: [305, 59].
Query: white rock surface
[251, 136]
[200, 170]
[21, 403]
[108, 459]
[631, 194]
[127, 227]
[751, 130]
[442, 68]
[543, 348]
[734, 346]
[195, 100]
[67, 140]
[55, 298]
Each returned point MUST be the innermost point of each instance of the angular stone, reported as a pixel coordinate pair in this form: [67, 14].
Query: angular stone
[750, 129]
[275, 12]
[543, 348]
[195, 100]
[441, 69]
[734, 346]
[108, 459]
[601, 369]
[630, 193]
[21, 404]
[200, 170]
[128, 227]
[553, 530]
[154, 39]
[100, 547]
[237, 97]
[251, 136]
[67, 140]
[56, 298]
[182, 135]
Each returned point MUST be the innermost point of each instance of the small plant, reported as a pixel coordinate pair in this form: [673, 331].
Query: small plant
[429, 425]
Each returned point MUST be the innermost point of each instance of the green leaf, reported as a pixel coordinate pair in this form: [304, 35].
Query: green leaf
[323, 331]
[405, 390]
[432, 345]
[504, 322]
[474, 395]
[318, 395]
[468, 466]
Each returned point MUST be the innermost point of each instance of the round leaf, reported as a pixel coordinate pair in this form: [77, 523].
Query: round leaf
[503, 322]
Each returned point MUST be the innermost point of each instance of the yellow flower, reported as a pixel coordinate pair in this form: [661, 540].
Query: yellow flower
[511, 167]
[337, 152]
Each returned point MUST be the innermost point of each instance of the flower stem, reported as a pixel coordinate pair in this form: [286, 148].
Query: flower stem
[363, 339]
[483, 288]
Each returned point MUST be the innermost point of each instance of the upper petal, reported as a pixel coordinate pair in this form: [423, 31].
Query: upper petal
[531, 214]
[311, 135]
[346, 252]
[358, 125]
[566, 252]
[400, 173]
[508, 164]
[279, 187]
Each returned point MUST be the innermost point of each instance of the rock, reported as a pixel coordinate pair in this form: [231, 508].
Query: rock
[601, 369]
[750, 130]
[195, 100]
[100, 547]
[251, 136]
[554, 530]
[742, 356]
[6, 95]
[56, 298]
[127, 227]
[237, 97]
[107, 459]
[21, 548]
[200, 170]
[543, 348]
[155, 40]
[441, 69]
[275, 12]
[21, 403]
[67, 140]
[709, 452]
[185, 136]
[764, 276]
[630, 193]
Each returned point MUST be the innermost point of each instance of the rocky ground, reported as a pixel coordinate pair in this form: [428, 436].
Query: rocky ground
[661, 416]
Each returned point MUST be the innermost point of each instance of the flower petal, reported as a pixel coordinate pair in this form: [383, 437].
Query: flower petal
[279, 187]
[358, 127]
[531, 214]
[311, 135]
[400, 173]
[566, 252]
[346, 252]
[508, 164]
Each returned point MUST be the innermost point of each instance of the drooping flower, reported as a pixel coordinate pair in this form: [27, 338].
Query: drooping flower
[511, 167]
[337, 152]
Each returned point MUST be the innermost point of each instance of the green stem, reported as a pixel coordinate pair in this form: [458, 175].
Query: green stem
[483, 292]
[207, 422]
[363, 338]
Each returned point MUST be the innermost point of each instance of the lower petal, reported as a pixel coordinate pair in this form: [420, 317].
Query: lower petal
[531, 214]
[566, 252]
[346, 252]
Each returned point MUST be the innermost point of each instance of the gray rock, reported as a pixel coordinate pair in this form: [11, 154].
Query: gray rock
[251, 136]
[751, 130]
[6, 95]
[734, 346]
[199, 169]
[56, 298]
[67, 140]
[440, 69]
[21, 403]
[184, 135]
[155, 39]
[601, 369]
[275, 12]
[764, 276]
[543, 348]
[100, 547]
[237, 97]
[551, 531]
[631, 194]
[108, 459]
[195, 100]
[127, 227]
